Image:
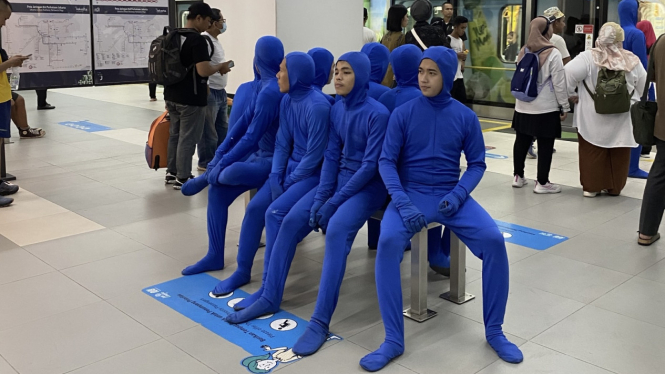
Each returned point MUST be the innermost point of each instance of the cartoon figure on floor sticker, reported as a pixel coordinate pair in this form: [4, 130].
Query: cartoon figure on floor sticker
[267, 362]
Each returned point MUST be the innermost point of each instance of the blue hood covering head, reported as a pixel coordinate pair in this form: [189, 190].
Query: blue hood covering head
[301, 74]
[323, 61]
[257, 76]
[379, 56]
[361, 69]
[268, 54]
[446, 60]
[406, 61]
[628, 13]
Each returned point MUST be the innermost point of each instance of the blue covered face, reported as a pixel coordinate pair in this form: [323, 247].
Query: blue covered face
[323, 63]
[405, 61]
[268, 54]
[296, 74]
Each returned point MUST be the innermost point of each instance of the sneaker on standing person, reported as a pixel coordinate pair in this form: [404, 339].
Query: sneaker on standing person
[187, 100]
[20, 118]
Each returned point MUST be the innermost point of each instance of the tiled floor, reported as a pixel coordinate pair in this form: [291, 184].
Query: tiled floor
[92, 226]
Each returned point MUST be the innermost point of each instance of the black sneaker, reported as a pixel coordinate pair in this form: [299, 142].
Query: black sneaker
[46, 107]
[170, 178]
[5, 201]
[7, 189]
[179, 182]
[31, 133]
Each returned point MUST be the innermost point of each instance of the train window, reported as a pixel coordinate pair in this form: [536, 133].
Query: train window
[510, 38]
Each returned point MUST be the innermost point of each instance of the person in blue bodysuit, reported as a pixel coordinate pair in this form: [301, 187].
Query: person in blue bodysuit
[420, 165]
[301, 142]
[405, 61]
[228, 175]
[379, 57]
[323, 62]
[349, 192]
[245, 97]
[634, 41]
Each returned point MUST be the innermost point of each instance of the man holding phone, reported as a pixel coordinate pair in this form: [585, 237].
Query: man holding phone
[217, 120]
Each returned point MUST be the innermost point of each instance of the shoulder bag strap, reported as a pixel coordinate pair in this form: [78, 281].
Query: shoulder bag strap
[415, 35]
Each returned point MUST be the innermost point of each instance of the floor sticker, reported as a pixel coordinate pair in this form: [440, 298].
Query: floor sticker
[85, 126]
[528, 237]
[268, 339]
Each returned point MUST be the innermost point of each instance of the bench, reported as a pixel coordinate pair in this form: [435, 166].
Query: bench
[457, 294]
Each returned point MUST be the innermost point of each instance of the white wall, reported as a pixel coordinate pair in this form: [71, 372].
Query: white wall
[332, 24]
[247, 21]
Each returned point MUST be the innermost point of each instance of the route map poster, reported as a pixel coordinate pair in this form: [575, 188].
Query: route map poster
[57, 35]
[123, 31]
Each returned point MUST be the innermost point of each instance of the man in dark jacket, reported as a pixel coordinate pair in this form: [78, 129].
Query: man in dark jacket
[423, 34]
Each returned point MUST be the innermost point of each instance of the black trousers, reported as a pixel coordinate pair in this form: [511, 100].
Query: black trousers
[153, 90]
[653, 203]
[41, 98]
[458, 91]
[545, 151]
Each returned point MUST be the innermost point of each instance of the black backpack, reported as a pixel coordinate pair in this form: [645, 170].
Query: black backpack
[164, 64]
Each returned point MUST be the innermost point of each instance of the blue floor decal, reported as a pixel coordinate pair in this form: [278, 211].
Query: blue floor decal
[85, 126]
[269, 339]
[528, 237]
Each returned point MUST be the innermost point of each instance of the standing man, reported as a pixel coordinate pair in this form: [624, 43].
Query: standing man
[559, 26]
[217, 120]
[369, 36]
[457, 44]
[446, 23]
[186, 100]
[41, 100]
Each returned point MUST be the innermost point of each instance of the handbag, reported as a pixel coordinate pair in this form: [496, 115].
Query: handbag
[643, 113]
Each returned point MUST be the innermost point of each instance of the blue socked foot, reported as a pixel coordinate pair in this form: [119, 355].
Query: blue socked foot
[260, 308]
[209, 263]
[232, 283]
[506, 350]
[311, 340]
[378, 359]
[638, 174]
[194, 186]
[249, 300]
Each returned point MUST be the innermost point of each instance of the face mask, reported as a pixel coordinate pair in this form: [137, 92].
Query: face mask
[223, 29]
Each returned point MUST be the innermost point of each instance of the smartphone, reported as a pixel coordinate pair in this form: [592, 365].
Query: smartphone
[231, 64]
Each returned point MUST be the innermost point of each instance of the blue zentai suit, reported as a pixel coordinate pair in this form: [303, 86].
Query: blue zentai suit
[228, 175]
[634, 41]
[420, 165]
[245, 97]
[379, 56]
[296, 167]
[349, 192]
[323, 62]
[405, 61]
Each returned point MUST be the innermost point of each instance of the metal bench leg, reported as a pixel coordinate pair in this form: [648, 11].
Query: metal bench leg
[418, 310]
[457, 293]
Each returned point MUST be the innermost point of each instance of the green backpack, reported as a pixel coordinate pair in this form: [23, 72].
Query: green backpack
[611, 95]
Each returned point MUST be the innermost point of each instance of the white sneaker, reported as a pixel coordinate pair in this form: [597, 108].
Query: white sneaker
[519, 182]
[590, 194]
[547, 188]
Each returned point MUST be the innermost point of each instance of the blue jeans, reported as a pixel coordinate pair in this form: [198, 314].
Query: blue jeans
[216, 126]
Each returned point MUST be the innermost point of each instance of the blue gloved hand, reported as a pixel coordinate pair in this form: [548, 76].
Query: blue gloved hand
[288, 182]
[451, 203]
[276, 187]
[313, 222]
[324, 214]
[213, 174]
[413, 219]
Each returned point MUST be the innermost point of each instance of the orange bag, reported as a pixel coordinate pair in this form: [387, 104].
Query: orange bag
[156, 147]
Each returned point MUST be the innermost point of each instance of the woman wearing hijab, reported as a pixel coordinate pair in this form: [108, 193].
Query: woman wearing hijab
[542, 117]
[605, 140]
[647, 28]
[429, 35]
[398, 18]
[420, 166]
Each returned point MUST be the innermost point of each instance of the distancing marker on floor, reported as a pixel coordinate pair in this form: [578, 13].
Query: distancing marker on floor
[528, 237]
[269, 339]
[85, 126]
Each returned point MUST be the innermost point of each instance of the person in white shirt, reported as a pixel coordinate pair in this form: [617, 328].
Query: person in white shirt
[369, 36]
[542, 117]
[559, 26]
[605, 140]
[457, 44]
[217, 120]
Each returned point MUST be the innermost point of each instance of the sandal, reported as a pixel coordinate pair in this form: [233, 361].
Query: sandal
[648, 242]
